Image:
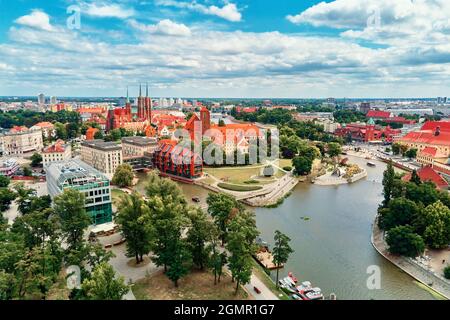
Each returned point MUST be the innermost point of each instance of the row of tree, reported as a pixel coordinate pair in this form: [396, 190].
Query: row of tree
[414, 214]
[45, 239]
[181, 237]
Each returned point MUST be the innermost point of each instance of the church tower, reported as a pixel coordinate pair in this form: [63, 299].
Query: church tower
[205, 118]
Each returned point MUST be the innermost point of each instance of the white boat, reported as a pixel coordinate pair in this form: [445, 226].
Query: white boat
[304, 286]
[314, 294]
[296, 297]
[289, 281]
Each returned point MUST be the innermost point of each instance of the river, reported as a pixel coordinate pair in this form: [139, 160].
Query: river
[332, 248]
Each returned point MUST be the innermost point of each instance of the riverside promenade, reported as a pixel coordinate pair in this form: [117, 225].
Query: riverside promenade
[427, 278]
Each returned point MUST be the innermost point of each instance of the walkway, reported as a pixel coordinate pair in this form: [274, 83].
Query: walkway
[266, 293]
[422, 275]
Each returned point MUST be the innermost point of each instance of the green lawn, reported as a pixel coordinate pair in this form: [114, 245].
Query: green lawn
[239, 188]
[238, 175]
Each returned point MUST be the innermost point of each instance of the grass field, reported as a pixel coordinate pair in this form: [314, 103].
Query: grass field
[239, 188]
[197, 285]
[239, 175]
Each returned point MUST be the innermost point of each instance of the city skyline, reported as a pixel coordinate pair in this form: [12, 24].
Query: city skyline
[226, 49]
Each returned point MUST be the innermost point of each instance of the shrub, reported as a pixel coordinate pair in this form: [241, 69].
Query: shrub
[447, 272]
[287, 168]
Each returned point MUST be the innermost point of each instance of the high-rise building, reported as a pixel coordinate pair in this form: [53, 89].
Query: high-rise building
[41, 98]
[53, 100]
[77, 175]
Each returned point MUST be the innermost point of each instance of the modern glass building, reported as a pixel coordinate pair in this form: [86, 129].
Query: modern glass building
[75, 174]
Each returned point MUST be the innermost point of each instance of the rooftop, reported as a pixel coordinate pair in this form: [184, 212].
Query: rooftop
[140, 141]
[73, 169]
[101, 145]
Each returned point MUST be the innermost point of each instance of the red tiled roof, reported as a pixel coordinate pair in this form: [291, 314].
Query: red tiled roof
[432, 125]
[428, 174]
[427, 137]
[378, 114]
[45, 124]
[58, 146]
[429, 151]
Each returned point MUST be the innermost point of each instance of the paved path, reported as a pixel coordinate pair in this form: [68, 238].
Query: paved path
[422, 275]
[266, 293]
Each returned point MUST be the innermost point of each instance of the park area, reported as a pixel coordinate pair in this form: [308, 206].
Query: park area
[197, 285]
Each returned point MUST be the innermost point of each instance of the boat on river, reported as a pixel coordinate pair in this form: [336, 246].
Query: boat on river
[371, 164]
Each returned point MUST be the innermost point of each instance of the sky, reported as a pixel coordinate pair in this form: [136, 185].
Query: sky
[226, 48]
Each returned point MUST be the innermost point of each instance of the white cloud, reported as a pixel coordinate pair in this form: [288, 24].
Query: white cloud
[163, 27]
[36, 19]
[228, 12]
[383, 21]
[229, 63]
[107, 10]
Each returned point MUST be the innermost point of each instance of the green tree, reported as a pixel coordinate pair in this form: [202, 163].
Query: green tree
[302, 165]
[168, 219]
[447, 272]
[396, 148]
[27, 172]
[131, 218]
[437, 225]
[221, 206]
[61, 131]
[388, 182]
[400, 211]
[69, 206]
[104, 285]
[241, 245]
[415, 178]
[403, 241]
[36, 159]
[179, 262]
[218, 259]
[411, 153]
[334, 149]
[281, 250]
[4, 181]
[123, 176]
[200, 233]
[6, 197]
[98, 135]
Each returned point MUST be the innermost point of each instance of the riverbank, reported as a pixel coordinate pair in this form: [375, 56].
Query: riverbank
[425, 277]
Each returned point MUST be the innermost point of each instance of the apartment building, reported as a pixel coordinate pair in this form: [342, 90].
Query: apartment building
[59, 151]
[20, 140]
[103, 156]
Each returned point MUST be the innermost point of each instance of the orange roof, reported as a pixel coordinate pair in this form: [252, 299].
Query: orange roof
[18, 129]
[433, 125]
[90, 133]
[91, 110]
[427, 137]
[428, 174]
[45, 124]
[58, 146]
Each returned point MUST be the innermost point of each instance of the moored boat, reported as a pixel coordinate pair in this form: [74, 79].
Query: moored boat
[371, 164]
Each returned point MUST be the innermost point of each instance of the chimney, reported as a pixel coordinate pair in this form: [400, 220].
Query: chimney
[438, 131]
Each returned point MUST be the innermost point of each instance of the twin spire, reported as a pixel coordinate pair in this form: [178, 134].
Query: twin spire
[140, 89]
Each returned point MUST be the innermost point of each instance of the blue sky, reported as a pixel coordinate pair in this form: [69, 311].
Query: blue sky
[226, 48]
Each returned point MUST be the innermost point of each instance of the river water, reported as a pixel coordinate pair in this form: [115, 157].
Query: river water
[332, 248]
